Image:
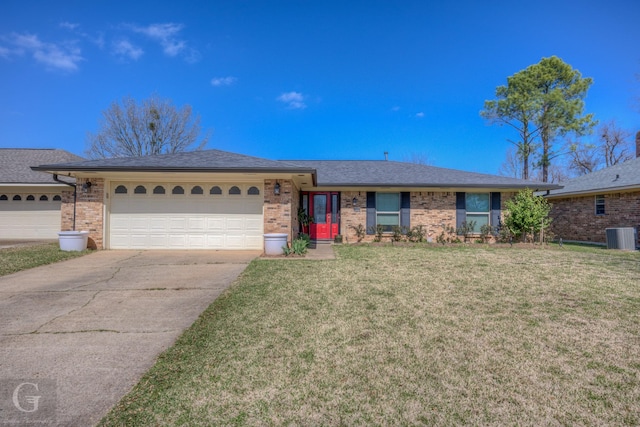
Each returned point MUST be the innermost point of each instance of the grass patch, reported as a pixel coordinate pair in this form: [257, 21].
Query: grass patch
[21, 258]
[423, 335]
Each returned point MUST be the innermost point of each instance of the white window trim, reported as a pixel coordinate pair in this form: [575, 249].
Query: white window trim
[388, 212]
[597, 198]
[487, 213]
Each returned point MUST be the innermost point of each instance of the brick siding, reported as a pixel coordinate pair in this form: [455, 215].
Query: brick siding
[432, 209]
[279, 213]
[574, 218]
[89, 211]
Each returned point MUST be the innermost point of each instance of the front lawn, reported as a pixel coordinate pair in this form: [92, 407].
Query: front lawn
[21, 258]
[424, 335]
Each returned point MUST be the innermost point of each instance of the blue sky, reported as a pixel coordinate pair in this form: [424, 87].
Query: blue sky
[308, 80]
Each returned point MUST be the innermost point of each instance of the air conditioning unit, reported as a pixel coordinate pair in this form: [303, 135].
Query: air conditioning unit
[621, 238]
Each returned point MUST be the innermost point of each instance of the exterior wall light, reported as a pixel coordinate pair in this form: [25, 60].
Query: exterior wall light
[355, 201]
[86, 186]
[276, 189]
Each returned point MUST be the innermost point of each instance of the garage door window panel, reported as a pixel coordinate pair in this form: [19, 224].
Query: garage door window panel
[215, 191]
[234, 191]
[197, 190]
[159, 189]
[253, 191]
[44, 198]
[4, 197]
[140, 189]
[177, 190]
[121, 189]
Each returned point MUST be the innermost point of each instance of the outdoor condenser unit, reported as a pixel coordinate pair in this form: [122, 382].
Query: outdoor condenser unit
[621, 238]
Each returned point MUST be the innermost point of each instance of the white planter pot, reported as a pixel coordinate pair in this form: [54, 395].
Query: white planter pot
[273, 243]
[73, 240]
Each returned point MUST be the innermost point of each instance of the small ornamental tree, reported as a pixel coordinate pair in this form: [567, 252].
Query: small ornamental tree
[527, 214]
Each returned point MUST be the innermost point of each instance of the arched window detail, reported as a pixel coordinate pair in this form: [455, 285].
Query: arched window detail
[215, 190]
[17, 198]
[140, 189]
[177, 190]
[121, 189]
[253, 191]
[57, 198]
[31, 198]
[197, 190]
[44, 198]
[234, 190]
[158, 190]
[4, 197]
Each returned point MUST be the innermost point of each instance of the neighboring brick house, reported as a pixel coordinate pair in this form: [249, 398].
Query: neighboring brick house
[30, 201]
[219, 200]
[586, 206]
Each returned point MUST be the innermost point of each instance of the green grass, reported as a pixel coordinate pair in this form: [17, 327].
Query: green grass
[423, 335]
[21, 258]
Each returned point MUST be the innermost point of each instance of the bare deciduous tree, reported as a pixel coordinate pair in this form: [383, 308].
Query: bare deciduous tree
[417, 158]
[512, 164]
[155, 126]
[616, 147]
[612, 147]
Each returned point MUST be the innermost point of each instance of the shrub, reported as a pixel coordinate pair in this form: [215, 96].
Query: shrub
[378, 230]
[485, 231]
[466, 229]
[298, 247]
[527, 214]
[417, 234]
[398, 233]
[360, 232]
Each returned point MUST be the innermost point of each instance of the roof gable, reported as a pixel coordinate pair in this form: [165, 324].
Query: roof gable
[15, 164]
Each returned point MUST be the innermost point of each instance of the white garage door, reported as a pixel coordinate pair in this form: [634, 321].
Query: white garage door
[29, 216]
[186, 216]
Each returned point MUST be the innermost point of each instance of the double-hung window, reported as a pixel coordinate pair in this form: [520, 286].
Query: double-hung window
[600, 210]
[478, 207]
[388, 210]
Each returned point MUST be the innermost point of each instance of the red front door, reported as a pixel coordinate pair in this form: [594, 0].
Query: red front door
[324, 208]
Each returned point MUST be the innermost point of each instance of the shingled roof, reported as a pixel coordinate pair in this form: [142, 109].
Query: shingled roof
[335, 173]
[15, 164]
[621, 177]
[192, 161]
[380, 173]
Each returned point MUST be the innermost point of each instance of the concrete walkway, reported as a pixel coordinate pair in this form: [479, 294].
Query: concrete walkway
[84, 331]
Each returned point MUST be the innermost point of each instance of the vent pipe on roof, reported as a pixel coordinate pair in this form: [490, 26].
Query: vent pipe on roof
[386, 154]
[638, 144]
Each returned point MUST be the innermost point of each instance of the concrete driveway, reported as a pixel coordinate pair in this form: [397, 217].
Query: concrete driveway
[80, 333]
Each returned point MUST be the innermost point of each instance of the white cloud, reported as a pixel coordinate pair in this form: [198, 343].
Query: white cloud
[69, 25]
[167, 36]
[294, 100]
[5, 52]
[61, 56]
[395, 108]
[420, 115]
[223, 81]
[126, 48]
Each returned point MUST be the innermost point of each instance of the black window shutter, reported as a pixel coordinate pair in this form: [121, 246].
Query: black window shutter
[405, 209]
[495, 209]
[461, 209]
[371, 212]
